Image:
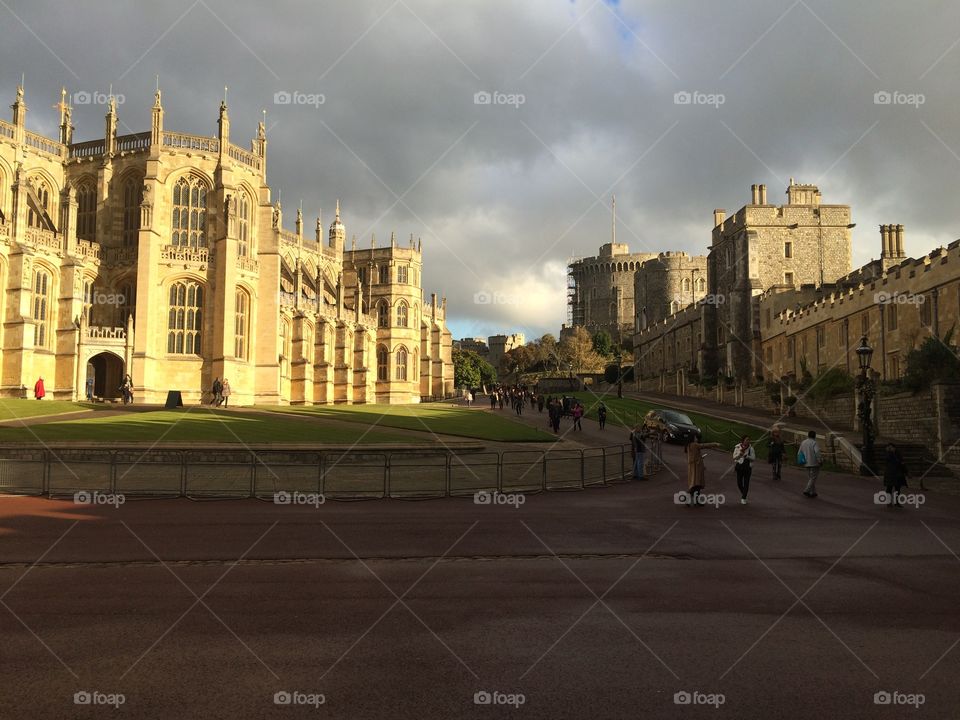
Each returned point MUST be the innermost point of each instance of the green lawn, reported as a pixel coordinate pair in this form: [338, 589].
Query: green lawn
[11, 409]
[441, 419]
[628, 412]
[196, 425]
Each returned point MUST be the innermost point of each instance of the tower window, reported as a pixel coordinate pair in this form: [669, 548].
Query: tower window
[184, 319]
[788, 249]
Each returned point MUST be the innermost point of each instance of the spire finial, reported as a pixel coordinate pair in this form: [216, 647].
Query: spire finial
[337, 218]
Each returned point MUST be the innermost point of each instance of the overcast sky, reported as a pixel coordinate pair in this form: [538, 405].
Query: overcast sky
[503, 194]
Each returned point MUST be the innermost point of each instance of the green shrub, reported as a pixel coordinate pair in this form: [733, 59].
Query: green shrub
[934, 361]
[834, 381]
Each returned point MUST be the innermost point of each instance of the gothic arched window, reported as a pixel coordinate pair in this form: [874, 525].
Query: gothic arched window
[42, 289]
[243, 225]
[402, 314]
[87, 212]
[185, 317]
[382, 360]
[189, 213]
[35, 218]
[241, 329]
[132, 197]
[383, 315]
[401, 363]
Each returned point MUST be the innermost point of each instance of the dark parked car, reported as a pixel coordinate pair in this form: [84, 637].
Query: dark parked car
[671, 426]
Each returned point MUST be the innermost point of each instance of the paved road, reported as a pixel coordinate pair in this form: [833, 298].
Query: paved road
[788, 607]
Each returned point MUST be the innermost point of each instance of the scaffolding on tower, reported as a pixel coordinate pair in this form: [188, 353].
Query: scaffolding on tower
[574, 305]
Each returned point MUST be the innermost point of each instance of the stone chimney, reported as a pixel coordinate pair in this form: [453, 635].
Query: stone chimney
[754, 195]
[763, 194]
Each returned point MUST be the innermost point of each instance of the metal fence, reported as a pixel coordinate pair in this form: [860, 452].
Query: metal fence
[353, 474]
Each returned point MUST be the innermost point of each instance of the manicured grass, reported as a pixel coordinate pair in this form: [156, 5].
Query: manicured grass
[195, 425]
[628, 412]
[11, 409]
[441, 419]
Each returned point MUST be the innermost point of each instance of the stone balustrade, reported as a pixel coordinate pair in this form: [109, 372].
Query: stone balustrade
[189, 255]
[185, 141]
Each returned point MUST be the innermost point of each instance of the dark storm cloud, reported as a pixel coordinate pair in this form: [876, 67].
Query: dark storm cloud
[504, 194]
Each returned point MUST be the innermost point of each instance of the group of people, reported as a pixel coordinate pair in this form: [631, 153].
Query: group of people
[125, 388]
[221, 392]
[809, 457]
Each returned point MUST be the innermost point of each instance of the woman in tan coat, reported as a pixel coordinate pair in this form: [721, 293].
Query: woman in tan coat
[695, 473]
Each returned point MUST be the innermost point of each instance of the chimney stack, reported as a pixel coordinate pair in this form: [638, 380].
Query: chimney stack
[901, 253]
[754, 195]
[763, 194]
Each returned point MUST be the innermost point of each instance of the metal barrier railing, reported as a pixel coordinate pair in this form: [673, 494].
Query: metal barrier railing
[330, 473]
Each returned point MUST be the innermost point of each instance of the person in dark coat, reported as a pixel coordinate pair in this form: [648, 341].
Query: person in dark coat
[602, 415]
[217, 391]
[894, 474]
[776, 451]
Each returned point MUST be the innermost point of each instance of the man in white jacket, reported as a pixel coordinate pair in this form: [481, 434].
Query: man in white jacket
[812, 459]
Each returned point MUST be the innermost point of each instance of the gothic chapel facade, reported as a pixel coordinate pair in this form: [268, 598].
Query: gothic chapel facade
[160, 254]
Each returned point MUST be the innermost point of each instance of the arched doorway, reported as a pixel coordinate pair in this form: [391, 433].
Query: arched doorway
[106, 369]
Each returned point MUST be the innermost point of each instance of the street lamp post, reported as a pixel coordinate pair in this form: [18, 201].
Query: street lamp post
[867, 390]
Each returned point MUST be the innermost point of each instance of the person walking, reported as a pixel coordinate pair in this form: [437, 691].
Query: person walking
[540, 403]
[894, 475]
[743, 457]
[775, 452]
[577, 414]
[225, 392]
[602, 415]
[217, 391]
[90, 389]
[38, 391]
[696, 477]
[810, 457]
[493, 400]
[638, 449]
[126, 389]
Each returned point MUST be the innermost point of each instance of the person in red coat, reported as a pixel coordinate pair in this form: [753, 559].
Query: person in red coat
[38, 391]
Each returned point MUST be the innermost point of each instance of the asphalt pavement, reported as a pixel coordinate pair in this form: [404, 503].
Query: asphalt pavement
[606, 603]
